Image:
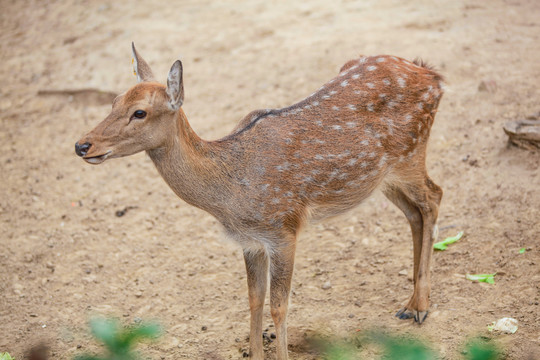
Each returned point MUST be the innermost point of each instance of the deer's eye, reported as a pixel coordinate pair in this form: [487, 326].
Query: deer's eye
[139, 114]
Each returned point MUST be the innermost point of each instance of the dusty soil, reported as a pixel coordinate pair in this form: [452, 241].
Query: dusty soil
[65, 254]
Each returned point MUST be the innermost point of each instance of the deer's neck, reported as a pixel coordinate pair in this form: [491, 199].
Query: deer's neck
[191, 168]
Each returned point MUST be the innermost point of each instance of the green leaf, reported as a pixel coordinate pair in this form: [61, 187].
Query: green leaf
[403, 348]
[5, 356]
[479, 349]
[442, 245]
[143, 331]
[522, 250]
[106, 331]
[487, 278]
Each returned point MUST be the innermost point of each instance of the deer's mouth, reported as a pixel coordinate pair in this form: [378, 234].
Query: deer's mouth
[97, 159]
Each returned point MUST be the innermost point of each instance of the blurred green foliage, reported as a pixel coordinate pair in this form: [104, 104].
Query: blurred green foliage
[392, 347]
[120, 341]
[5, 356]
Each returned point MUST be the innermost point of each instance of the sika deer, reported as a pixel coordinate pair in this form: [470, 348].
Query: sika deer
[366, 128]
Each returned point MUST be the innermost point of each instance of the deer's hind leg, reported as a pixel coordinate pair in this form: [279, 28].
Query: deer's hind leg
[419, 199]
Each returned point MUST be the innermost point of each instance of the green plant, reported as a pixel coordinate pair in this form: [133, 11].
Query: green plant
[5, 356]
[394, 347]
[119, 341]
[479, 349]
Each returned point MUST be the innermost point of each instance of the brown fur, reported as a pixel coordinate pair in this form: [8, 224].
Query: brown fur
[367, 128]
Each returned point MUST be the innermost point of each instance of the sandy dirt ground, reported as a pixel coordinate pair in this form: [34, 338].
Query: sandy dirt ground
[65, 255]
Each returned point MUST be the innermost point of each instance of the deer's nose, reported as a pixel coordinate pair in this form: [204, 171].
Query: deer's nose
[81, 150]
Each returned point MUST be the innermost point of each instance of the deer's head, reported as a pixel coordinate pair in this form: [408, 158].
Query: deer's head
[141, 119]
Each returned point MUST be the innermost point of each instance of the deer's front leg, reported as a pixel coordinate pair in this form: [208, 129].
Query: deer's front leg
[281, 270]
[257, 278]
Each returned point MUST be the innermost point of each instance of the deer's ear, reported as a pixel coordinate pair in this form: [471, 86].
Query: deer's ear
[175, 86]
[140, 67]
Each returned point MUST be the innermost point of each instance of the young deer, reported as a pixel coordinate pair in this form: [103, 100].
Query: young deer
[366, 128]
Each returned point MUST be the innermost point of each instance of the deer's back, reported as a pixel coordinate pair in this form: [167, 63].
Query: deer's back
[328, 152]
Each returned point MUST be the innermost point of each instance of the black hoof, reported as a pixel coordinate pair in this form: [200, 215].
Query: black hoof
[420, 316]
[404, 314]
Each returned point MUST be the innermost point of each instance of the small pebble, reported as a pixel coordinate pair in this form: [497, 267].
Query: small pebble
[327, 285]
[204, 328]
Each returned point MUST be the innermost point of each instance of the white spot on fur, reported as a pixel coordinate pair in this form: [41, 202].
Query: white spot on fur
[382, 161]
[351, 107]
[370, 107]
[401, 82]
[344, 83]
[386, 82]
[336, 127]
[352, 162]
[408, 117]
[365, 142]
[355, 76]
[420, 106]
[283, 167]
[315, 103]
[319, 157]
[380, 60]
[351, 124]
[390, 124]
[336, 108]
[371, 68]
[370, 85]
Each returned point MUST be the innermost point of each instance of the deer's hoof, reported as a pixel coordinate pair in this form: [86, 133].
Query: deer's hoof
[405, 314]
[420, 316]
